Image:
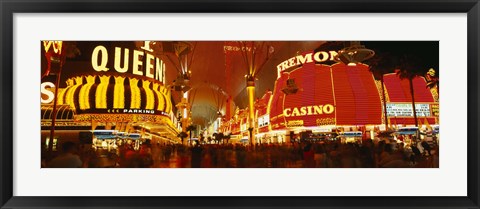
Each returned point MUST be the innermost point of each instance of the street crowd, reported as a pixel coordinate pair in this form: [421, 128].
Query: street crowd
[306, 154]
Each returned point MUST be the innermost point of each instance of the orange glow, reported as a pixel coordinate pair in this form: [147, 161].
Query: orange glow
[251, 109]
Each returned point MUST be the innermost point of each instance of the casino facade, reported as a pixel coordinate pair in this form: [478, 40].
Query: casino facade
[310, 96]
[118, 86]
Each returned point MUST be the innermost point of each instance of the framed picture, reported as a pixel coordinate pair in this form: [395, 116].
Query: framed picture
[197, 104]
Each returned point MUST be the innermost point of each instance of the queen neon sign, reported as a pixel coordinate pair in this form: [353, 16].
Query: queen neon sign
[143, 63]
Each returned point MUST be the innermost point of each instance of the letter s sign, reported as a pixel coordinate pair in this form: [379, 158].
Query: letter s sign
[48, 93]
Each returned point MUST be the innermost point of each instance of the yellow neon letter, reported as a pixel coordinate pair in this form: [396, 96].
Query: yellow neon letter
[137, 62]
[118, 58]
[323, 58]
[328, 109]
[103, 65]
[149, 66]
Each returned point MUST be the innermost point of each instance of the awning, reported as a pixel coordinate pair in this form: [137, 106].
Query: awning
[64, 112]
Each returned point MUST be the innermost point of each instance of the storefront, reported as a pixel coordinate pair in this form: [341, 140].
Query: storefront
[399, 105]
[327, 97]
[316, 98]
[325, 100]
[114, 86]
[263, 119]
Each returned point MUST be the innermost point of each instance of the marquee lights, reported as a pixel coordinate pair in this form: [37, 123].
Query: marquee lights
[121, 118]
[166, 92]
[161, 100]
[101, 93]
[135, 94]
[61, 94]
[84, 99]
[119, 93]
[150, 96]
[71, 92]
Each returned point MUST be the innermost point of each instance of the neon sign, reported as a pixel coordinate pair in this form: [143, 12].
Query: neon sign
[309, 110]
[405, 110]
[143, 63]
[45, 89]
[320, 56]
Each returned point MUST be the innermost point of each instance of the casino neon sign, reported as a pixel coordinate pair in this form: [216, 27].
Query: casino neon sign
[309, 110]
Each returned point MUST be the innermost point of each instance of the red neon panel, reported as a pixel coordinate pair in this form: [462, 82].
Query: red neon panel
[344, 96]
[276, 107]
[411, 121]
[374, 108]
[399, 90]
[422, 93]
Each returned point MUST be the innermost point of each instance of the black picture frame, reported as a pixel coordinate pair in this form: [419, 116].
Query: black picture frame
[10, 7]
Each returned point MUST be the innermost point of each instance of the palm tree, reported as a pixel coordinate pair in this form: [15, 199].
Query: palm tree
[218, 137]
[413, 58]
[191, 128]
[182, 135]
[381, 64]
[227, 137]
[410, 68]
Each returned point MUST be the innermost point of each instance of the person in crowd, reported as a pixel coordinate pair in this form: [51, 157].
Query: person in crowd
[308, 156]
[333, 157]
[392, 159]
[367, 154]
[349, 156]
[206, 157]
[426, 147]
[145, 155]
[435, 156]
[196, 160]
[167, 153]
[68, 158]
[240, 153]
[320, 155]
[182, 156]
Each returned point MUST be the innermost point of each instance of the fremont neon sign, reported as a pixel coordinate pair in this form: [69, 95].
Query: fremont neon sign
[320, 56]
[154, 67]
[309, 110]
